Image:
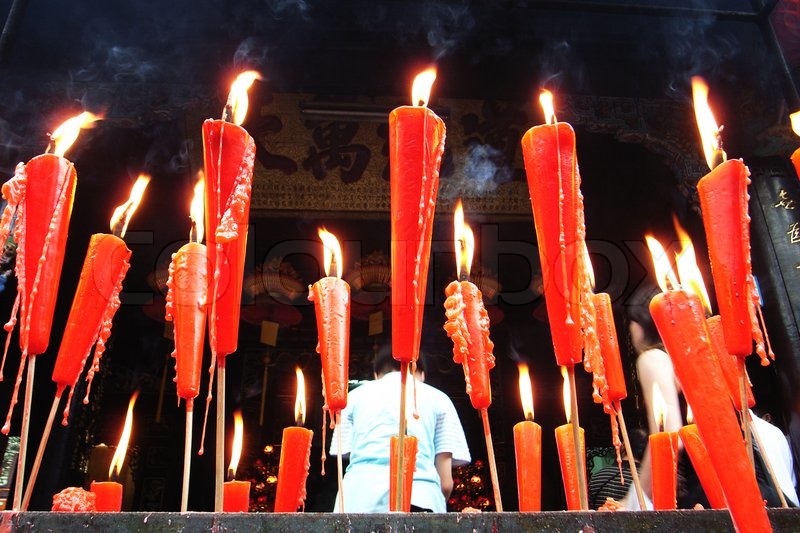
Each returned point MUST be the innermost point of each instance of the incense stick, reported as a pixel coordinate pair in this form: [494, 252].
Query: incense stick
[219, 477]
[487, 433]
[263, 390]
[160, 404]
[401, 438]
[40, 452]
[187, 455]
[631, 459]
[23, 435]
[580, 457]
[339, 462]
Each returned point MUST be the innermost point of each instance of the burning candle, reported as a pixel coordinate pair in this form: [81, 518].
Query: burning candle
[416, 145]
[680, 320]
[331, 297]
[728, 364]
[569, 458]
[467, 322]
[186, 305]
[409, 465]
[109, 493]
[701, 463]
[528, 449]
[795, 120]
[723, 202]
[236, 494]
[663, 457]
[295, 457]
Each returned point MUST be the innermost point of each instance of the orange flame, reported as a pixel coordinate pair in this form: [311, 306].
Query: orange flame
[659, 407]
[706, 124]
[65, 135]
[236, 106]
[565, 391]
[238, 440]
[197, 208]
[123, 213]
[795, 119]
[332, 252]
[525, 391]
[464, 242]
[300, 399]
[421, 88]
[122, 447]
[665, 276]
[546, 101]
[689, 414]
[689, 273]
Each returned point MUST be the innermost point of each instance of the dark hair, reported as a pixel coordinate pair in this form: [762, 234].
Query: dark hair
[637, 309]
[384, 362]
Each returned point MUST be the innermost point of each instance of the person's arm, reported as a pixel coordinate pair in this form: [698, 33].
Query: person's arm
[444, 465]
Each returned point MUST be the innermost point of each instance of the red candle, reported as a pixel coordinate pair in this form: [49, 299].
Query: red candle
[570, 459]
[468, 321]
[295, 458]
[228, 155]
[528, 449]
[663, 458]
[108, 496]
[186, 304]
[701, 462]
[409, 465]
[109, 493]
[729, 364]
[609, 348]
[331, 297]
[236, 494]
[416, 145]
[795, 120]
[723, 202]
[551, 166]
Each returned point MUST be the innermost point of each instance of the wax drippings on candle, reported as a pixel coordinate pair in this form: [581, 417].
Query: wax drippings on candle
[325, 413]
[236, 205]
[105, 329]
[9, 327]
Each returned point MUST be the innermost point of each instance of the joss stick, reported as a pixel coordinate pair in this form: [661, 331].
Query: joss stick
[746, 423]
[23, 435]
[219, 477]
[263, 390]
[160, 404]
[40, 453]
[580, 461]
[187, 455]
[339, 462]
[631, 459]
[768, 464]
[401, 434]
[487, 433]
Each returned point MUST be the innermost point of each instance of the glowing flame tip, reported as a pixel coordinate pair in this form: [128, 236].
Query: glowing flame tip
[238, 440]
[546, 101]
[795, 121]
[659, 407]
[421, 88]
[197, 208]
[65, 135]
[122, 447]
[300, 399]
[237, 104]
[525, 391]
[332, 252]
[123, 213]
[707, 124]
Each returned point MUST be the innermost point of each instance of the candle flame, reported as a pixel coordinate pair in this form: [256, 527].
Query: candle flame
[464, 242]
[565, 392]
[300, 399]
[689, 273]
[123, 213]
[236, 106]
[525, 391]
[689, 414]
[197, 207]
[795, 120]
[238, 440]
[421, 88]
[65, 135]
[122, 447]
[659, 407]
[332, 252]
[706, 124]
[546, 101]
[665, 276]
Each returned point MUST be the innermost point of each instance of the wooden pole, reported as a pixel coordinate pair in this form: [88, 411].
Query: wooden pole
[219, 477]
[401, 434]
[580, 462]
[19, 484]
[631, 459]
[187, 455]
[339, 463]
[263, 389]
[40, 452]
[487, 433]
[160, 404]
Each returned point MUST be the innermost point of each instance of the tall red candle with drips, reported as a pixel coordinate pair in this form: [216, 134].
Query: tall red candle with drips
[416, 145]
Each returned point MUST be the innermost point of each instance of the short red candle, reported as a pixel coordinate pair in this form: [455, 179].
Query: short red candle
[698, 455]
[664, 465]
[293, 469]
[416, 145]
[409, 465]
[235, 496]
[568, 459]
[528, 454]
[109, 496]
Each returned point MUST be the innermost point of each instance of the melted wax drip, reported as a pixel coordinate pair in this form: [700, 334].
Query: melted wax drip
[456, 327]
[14, 192]
[236, 204]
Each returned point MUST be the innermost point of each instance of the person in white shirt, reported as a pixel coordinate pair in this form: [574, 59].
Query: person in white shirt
[372, 417]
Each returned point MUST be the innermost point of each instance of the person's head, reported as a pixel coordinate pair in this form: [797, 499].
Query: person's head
[643, 330]
[385, 363]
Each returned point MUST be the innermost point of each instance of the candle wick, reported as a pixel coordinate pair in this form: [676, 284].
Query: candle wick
[227, 112]
[114, 476]
[193, 230]
[528, 417]
[231, 475]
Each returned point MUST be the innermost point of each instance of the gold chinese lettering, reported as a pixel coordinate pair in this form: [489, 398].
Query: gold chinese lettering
[784, 201]
[794, 232]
